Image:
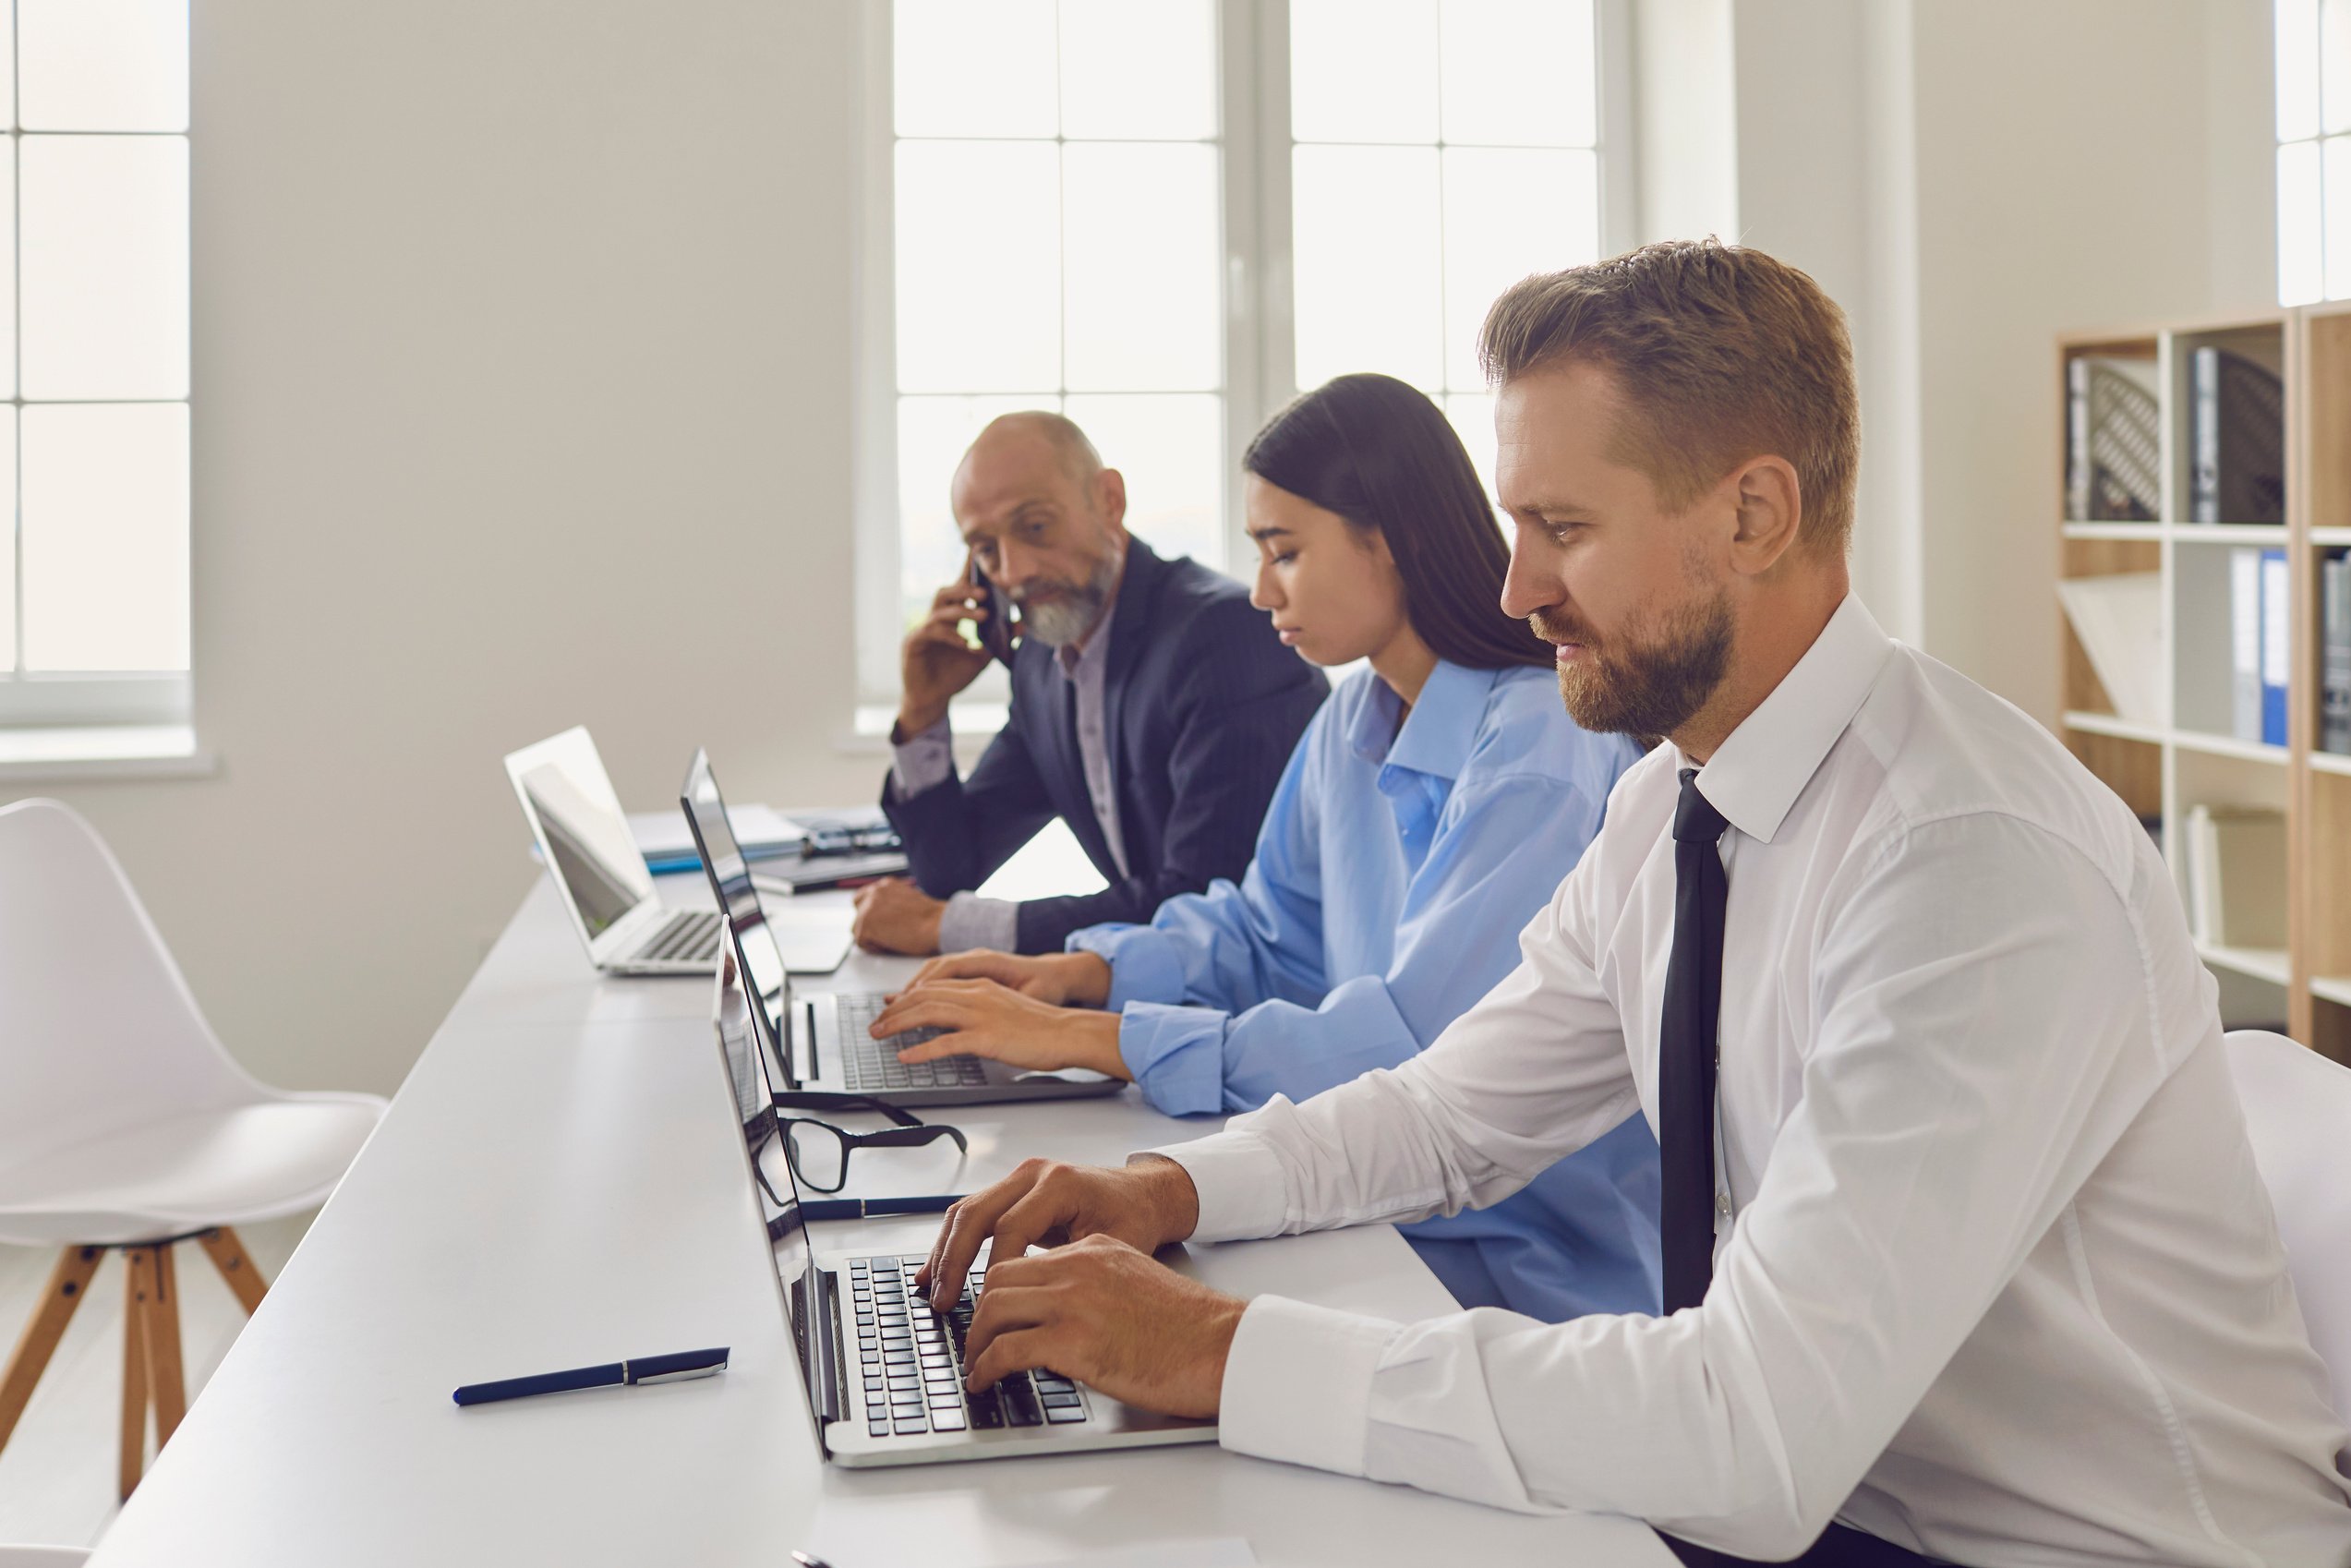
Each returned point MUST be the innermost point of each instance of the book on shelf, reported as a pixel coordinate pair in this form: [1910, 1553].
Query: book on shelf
[2277, 647]
[2236, 472]
[2260, 646]
[2114, 446]
[2236, 876]
[2335, 653]
[2245, 643]
[2120, 622]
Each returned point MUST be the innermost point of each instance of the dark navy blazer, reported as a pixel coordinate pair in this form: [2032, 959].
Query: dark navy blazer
[1202, 705]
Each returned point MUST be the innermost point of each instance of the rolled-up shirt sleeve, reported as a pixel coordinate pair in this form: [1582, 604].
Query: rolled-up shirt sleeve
[1962, 1082]
[1223, 996]
[1528, 1076]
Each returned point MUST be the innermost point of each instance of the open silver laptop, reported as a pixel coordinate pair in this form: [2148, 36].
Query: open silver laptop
[884, 1373]
[584, 837]
[824, 1041]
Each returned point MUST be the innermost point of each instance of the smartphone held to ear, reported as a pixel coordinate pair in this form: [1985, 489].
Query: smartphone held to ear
[999, 630]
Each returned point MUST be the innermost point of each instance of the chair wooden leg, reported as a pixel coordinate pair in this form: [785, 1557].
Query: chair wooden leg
[68, 1282]
[133, 1451]
[228, 1255]
[165, 1385]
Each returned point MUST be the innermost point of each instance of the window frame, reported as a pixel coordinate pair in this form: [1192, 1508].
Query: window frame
[70, 700]
[1253, 125]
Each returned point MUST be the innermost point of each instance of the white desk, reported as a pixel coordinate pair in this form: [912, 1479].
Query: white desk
[560, 1182]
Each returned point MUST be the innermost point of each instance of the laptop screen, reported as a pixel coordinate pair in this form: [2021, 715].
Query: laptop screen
[581, 827]
[753, 938]
[776, 1195]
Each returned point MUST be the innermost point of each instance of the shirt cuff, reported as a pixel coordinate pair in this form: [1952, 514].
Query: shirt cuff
[1240, 1185]
[969, 921]
[1144, 966]
[1297, 1384]
[1175, 1055]
[922, 761]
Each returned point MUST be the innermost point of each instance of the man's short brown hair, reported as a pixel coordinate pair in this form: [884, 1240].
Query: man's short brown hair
[1722, 354]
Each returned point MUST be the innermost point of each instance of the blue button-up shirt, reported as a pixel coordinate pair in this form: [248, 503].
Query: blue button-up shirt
[1392, 874]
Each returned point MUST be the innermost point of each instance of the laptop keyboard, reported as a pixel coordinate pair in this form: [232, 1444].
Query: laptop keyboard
[689, 936]
[871, 1065]
[912, 1362]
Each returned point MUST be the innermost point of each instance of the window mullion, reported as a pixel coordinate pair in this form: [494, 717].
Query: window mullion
[874, 412]
[1277, 302]
[1243, 133]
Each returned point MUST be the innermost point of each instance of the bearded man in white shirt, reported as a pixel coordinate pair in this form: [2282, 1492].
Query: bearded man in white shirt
[1967, 1257]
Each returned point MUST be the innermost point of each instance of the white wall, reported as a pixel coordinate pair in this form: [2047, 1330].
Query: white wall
[2066, 179]
[1970, 178]
[507, 314]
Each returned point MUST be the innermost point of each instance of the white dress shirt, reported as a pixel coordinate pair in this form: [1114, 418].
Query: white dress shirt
[1995, 1278]
[924, 761]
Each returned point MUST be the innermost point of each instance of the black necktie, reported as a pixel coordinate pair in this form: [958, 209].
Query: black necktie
[1686, 1047]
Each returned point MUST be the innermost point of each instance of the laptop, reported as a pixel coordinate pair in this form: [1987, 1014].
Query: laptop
[884, 1374]
[585, 840]
[822, 1041]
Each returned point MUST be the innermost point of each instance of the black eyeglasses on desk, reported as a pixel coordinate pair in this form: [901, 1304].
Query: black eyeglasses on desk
[819, 1151]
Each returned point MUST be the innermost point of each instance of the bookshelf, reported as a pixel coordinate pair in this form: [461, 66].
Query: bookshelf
[2177, 741]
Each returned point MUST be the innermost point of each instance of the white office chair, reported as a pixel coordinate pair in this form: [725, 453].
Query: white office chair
[124, 1124]
[2297, 1112]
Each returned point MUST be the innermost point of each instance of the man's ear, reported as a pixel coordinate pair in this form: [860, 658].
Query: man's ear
[1110, 497]
[1768, 501]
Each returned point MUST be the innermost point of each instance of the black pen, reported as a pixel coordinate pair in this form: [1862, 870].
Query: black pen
[878, 1208]
[674, 1369]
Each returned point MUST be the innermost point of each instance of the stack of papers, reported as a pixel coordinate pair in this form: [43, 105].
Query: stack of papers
[667, 842]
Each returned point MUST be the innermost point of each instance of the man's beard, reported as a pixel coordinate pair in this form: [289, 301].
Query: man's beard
[1645, 687]
[1074, 609]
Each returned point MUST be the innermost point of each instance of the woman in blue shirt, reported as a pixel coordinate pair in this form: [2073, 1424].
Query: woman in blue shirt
[1432, 808]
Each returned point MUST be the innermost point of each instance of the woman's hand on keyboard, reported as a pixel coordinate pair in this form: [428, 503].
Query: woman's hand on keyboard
[1103, 1312]
[985, 1017]
[1065, 980]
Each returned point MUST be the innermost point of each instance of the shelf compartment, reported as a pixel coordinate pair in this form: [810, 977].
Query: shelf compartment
[2094, 723]
[2252, 534]
[2119, 728]
[2223, 782]
[2332, 988]
[2131, 767]
[2326, 852]
[2329, 762]
[2247, 436]
[2119, 533]
[2325, 383]
[2204, 640]
[2267, 964]
[2230, 746]
[2115, 406]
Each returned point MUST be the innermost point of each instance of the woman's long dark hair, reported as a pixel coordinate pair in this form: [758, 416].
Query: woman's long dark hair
[1379, 453]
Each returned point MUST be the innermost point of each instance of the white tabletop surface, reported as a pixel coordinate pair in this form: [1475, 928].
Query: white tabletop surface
[561, 1183]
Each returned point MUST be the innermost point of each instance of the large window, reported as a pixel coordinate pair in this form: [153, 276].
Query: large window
[94, 583]
[1443, 149]
[1164, 219]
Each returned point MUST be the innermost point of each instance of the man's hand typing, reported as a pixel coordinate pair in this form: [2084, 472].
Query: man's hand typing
[1106, 1314]
[1047, 1204]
